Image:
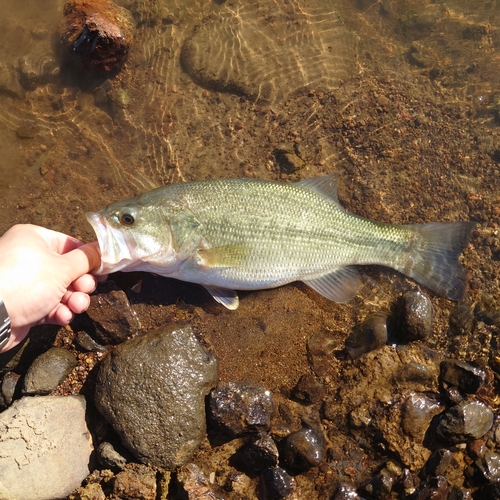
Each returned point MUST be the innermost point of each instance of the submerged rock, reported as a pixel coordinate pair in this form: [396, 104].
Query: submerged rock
[370, 335]
[152, 390]
[465, 377]
[277, 483]
[97, 33]
[464, 421]
[415, 316]
[45, 447]
[303, 449]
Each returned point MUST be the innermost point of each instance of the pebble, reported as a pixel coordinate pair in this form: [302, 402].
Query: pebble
[113, 318]
[489, 466]
[303, 450]
[465, 421]
[48, 370]
[146, 387]
[460, 374]
[414, 316]
[237, 408]
[320, 349]
[45, 447]
[309, 390]
[461, 319]
[487, 310]
[346, 492]
[380, 486]
[369, 336]
[277, 483]
[8, 389]
[435, 488]
[287, 158]
[437, 464]
[87, 343]
[260, 453]
[109, 458]
[418, 412]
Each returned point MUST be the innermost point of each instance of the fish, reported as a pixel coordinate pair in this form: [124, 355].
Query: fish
[249, 234]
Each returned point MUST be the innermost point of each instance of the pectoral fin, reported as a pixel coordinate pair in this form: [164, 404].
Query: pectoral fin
[228, 298]
[340, 286]
[223, 256]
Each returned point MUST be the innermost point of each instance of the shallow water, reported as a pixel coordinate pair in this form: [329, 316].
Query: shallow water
[401, 98]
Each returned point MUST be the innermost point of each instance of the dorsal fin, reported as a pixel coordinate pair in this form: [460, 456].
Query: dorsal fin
[325, 185]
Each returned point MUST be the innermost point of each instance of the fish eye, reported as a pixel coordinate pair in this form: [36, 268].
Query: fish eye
[126, 218]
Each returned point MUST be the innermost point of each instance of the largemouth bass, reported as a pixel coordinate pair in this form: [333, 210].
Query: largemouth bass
[246, 234]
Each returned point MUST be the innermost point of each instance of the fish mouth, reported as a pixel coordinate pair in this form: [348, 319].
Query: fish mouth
[115, 253]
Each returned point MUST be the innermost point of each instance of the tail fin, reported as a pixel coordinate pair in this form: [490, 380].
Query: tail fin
[433, 260]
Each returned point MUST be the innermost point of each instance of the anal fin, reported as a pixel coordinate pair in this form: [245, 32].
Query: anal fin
[228, 298]
[341, 285]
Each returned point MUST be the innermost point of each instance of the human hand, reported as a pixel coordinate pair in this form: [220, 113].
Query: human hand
[44, 277]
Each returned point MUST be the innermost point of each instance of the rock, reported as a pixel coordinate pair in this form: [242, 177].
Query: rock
[196, 485]
[346, 492]
[261, 453]
[435, 488]
[48, 370]
[414, 316]
[112, 316]
[309, 390]
[437, 464]
[109, 458]
[380, 486]
[303, 449]
[320, 349]
[42, 438]
[464, 421]
[418, 412]
[277, 483]
[369, 336]
[461, 319]
[148, 386]
[136, 481]
[467, 378]
[489, 466]
[97, 34]
[288, 159]
[87, 343]
[240, 408]
[8, 389]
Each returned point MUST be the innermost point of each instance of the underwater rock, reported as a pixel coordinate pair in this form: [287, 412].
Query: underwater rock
[464, 421]
[48, 370]
[239, 408]
[152, 390]
[309, 390]
[415, 316]
[369, 336]
[460, 374]
[97, 34]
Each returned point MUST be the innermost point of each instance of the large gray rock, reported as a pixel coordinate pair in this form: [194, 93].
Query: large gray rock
[45, 448]
[152, 390]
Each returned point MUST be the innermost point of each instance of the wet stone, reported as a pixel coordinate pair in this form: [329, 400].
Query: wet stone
[8, 389]
[109, 458]
[465, 377]
[97, 34]
[112, 316]
[437, 464]
[147, 386]
[261, 453]
[463, 422]
[87, 343]
[380, 486]
[277, 483]
[461, 319]
[303, 449]
[309, 390]
[48, 370]
[238, 408]
[489, 466]
[414, 316]
[418, 412]
[320, 350]
[136, 481]
[369, 336]
[435, 488]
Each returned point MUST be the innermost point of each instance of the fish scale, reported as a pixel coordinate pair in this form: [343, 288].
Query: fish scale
[244, 234]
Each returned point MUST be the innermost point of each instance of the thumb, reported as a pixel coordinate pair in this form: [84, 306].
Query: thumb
[83, 259]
